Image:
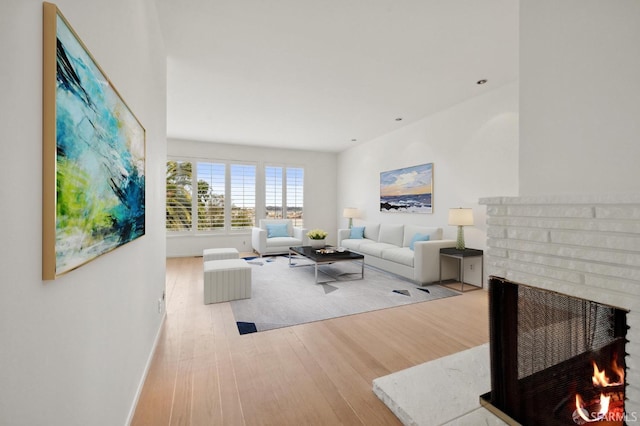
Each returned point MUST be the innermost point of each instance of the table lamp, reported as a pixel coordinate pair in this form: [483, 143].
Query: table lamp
[350, 212]
[460, 217]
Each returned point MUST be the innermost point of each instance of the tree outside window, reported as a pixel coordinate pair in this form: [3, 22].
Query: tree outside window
[208, 210]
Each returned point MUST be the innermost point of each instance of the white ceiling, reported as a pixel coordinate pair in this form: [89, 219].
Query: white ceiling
[317, 74]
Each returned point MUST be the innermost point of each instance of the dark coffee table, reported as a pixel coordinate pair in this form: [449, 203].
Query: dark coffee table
[325, 257]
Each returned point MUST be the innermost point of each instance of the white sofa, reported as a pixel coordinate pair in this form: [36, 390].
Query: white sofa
[263, 244]
[386, 246]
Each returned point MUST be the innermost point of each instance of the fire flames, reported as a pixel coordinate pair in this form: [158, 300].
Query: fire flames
[586, 412]
[592, 417]
[600, 379]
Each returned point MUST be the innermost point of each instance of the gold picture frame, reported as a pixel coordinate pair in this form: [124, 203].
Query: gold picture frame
[94, 149]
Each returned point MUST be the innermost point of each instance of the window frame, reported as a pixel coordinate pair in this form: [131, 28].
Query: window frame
[284, 195]
[188, 229]
[227, 228]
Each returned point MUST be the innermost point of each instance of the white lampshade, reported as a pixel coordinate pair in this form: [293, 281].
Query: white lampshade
[350, 212]
[461, 217]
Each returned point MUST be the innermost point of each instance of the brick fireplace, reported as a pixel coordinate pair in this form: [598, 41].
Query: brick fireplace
[586, 247]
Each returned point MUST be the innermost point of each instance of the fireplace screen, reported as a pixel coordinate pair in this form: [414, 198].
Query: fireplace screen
[555, 359]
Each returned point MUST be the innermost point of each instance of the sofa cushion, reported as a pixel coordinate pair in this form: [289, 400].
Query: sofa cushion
[419, 237]
[375, 249]
[354, 244]
[357, 232]
[371, 231]
[411, 230]
[277, 230]
[391, 234]
[402, 255]
[283, 242]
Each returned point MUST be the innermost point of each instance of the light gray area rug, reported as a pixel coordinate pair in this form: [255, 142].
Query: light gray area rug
[282, 296]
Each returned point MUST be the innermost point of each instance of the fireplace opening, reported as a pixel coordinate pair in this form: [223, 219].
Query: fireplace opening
[555, 359]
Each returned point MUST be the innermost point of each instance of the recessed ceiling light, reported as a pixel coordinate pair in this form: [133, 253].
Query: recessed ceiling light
[399, 119]
[483, 81]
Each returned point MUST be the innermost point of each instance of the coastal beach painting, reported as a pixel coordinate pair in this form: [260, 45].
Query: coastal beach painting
[93, 156]
[407, 190]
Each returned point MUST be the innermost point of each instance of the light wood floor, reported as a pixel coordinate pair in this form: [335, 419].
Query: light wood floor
[205, 373]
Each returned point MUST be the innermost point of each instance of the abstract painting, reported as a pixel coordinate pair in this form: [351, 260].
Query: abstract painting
[407, 190]
[93, 156]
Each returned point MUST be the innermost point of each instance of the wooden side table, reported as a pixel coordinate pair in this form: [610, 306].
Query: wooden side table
[461, 255]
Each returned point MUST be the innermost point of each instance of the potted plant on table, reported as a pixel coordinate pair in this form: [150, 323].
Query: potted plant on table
[317, 237]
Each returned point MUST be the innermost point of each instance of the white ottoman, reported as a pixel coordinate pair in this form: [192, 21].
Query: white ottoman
[226, 279]
[219, 253]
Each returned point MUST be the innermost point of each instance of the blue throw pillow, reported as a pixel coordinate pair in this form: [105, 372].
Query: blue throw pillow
[418, 237]
[357, 233]
[277, 230]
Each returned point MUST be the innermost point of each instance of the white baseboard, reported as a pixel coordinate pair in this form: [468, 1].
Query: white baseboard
[134, 404]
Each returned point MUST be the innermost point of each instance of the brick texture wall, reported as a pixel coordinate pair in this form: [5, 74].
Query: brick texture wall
[583, 246]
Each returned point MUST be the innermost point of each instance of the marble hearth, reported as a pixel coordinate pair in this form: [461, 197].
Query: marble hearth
[440, 392]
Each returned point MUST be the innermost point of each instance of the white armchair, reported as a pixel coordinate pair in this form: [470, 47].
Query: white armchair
[275, 236]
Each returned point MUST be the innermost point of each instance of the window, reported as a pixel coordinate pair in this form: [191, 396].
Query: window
[295, 190]
[273, 192]
[224, 200]
[284, 189]
[243, 196]
[211, 190]
[179, 177]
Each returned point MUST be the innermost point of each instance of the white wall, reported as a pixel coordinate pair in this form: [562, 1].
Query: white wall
[73, 351]
[319, 189]
[474, 149]
[580, 91]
